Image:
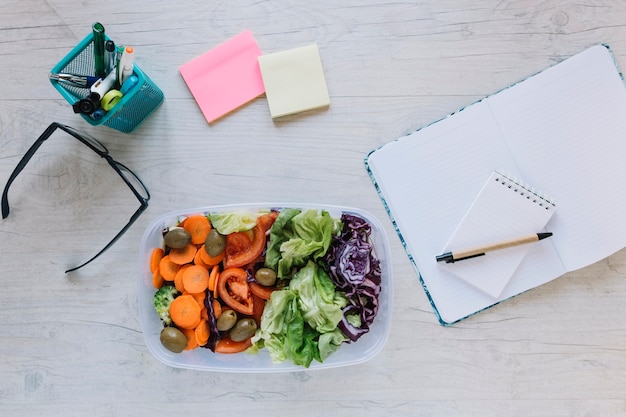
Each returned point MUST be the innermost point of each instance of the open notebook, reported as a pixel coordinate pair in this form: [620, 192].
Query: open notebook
[562, 130]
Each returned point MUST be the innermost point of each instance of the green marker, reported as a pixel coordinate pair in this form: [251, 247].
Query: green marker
[98, 50]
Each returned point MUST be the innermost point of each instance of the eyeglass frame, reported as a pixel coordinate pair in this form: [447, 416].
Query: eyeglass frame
[89, 142]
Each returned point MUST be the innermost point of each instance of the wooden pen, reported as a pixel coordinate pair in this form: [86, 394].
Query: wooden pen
[454, 256]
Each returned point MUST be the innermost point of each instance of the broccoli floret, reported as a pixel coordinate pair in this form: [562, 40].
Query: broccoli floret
[162, 300]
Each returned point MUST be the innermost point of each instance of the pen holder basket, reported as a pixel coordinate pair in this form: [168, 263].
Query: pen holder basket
[133, 108]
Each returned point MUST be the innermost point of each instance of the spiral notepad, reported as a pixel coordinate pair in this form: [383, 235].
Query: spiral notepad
[505, 208]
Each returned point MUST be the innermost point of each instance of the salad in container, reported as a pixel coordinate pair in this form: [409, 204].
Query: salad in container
[265, 287]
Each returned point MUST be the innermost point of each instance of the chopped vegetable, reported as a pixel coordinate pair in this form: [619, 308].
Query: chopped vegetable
[157, 279]
[295, 318]
[298, 236]
[183, 255]
[240, 250]
[233, 221]
[168, 268]
[261, 291]
[198, 227]
[283, 331]
[155, 258]
[226, 345]
[173, 339]
[214, 334]
[178, 278]
[195, 279]
[215, 272]
[201, 333]
[319, 302]
[190, 334]
[185, 312]
[233, 289]
[162, 300]
[355, 270]
[208, 259]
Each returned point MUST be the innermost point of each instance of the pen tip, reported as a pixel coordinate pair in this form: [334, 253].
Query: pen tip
[543, 235]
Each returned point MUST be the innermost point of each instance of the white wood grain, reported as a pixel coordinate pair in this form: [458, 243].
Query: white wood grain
[72, 344]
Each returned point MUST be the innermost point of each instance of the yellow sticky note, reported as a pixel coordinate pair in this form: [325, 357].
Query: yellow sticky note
[294, 81]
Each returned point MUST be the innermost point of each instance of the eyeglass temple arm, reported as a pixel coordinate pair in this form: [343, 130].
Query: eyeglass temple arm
[134, 217]
[20, 166]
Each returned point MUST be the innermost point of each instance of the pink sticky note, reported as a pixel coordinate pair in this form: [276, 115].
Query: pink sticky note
[225, 77]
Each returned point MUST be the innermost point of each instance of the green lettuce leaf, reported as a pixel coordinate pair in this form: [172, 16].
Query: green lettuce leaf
[283, 331]
[329, 343]
[320, 304]
[298, 236]
[299, 323]
[233, 221]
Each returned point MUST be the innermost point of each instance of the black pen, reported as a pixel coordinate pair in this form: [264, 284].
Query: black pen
[110, 53]
[454, 256]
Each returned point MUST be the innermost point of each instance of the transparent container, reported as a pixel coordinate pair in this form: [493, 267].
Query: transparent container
[364, 349]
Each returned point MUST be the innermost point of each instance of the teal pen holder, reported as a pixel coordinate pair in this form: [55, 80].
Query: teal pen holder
[133, 108]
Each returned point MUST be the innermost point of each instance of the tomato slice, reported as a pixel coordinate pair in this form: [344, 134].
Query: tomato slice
[243, 248]
[259, 307]
[238, 253]
[267, 220]
[261, 291]
[226, 345]
[233, 289]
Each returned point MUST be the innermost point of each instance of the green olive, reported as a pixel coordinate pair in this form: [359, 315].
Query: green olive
[226, 320]
[265, 276]
[173, 339]
[215, 243]
[244, 329]
[177, 237]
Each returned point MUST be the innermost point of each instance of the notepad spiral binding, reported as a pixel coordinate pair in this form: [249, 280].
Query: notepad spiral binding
[525, 190]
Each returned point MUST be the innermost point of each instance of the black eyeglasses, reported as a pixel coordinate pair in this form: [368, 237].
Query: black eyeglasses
[130, 178]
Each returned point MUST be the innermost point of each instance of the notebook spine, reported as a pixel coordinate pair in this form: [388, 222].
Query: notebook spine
[525, 190]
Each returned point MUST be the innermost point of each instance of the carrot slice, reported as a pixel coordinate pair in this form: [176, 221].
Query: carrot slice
[168, 268]
[208, 259]
[157, 279]
[195, 279]
[215, 272]
[184, 255]
[217, 308]
[185, 312]
[198, 259]
[155, 258]
[198, 227]
[202, 333]
[190, 334]
[199, 297]
[178, 279]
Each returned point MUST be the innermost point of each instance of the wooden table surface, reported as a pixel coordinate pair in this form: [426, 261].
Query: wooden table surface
[72, 345]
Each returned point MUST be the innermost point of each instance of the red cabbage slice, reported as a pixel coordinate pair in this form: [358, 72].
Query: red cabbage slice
[355, 270]
[214, 333]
